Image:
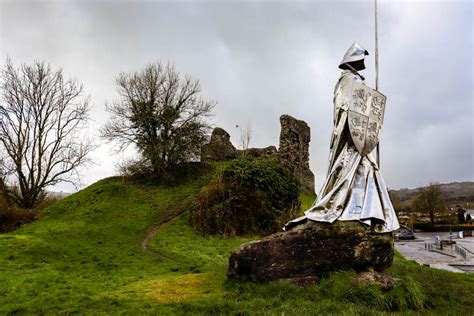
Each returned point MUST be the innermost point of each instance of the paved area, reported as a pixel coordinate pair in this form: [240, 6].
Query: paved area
[447, 258]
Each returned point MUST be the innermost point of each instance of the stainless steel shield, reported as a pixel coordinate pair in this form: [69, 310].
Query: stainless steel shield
[365, 117]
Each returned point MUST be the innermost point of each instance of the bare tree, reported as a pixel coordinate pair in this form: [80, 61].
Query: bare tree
[245, 137]
[161, 113]
[41, 115]
[430, 199]
[396, 203]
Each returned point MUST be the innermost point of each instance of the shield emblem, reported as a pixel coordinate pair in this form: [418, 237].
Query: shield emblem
[365, 117]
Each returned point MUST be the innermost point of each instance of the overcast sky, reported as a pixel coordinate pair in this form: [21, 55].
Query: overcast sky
[261, 59]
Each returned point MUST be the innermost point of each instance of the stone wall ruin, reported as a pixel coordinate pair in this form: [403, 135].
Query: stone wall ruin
[293, 151]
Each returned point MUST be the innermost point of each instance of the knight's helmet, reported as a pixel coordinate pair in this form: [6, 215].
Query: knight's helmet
[354, 56]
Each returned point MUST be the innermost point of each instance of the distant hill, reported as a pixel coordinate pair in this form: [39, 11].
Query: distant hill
[456, 192]
[58, 194]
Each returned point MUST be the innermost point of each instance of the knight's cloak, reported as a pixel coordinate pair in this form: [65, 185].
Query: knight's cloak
[354, 189]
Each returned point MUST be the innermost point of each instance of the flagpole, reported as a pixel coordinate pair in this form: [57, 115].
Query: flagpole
[377, 69]
[376, 50]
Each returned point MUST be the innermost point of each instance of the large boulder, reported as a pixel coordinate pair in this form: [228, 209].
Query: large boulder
[308, 251]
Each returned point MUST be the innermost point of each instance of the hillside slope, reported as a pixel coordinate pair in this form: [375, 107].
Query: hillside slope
[84, 256]
[455, 192]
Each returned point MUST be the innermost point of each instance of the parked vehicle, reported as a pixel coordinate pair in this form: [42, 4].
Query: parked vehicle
[404, 233]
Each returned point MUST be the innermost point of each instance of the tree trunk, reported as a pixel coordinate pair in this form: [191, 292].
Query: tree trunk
[432, 218]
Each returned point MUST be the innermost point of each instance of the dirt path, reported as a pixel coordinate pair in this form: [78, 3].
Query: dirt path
[152, 231]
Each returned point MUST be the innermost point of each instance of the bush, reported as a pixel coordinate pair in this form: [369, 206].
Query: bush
[427, 227]
[11, 217]
[249, 196]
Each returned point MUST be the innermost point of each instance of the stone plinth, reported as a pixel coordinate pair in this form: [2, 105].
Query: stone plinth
[308, 251]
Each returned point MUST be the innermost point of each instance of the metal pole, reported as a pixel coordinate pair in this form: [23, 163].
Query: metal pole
[377, 70]
[376, 50]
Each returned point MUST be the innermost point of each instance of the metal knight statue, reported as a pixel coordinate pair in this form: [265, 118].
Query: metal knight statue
[354, 189]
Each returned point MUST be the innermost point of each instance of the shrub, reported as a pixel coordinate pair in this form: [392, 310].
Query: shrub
[249, 196]
[11, 217]
[427, 227]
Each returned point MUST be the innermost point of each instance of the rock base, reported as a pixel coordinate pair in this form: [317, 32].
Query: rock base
[308, 251]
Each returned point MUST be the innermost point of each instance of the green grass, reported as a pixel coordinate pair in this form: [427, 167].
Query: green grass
[84, 257]
[306, 201]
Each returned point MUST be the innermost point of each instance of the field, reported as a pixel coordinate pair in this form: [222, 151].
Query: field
[86, 255]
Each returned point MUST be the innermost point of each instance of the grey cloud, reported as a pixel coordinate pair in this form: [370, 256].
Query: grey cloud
[261, 59]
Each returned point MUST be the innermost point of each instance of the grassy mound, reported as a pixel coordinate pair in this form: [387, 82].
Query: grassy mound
[84, 257]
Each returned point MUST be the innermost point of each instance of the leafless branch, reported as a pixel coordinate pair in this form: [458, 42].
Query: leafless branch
[41, 115]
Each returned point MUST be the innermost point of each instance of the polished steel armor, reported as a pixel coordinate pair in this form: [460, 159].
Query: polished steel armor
[355, 53]
[354, 189]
